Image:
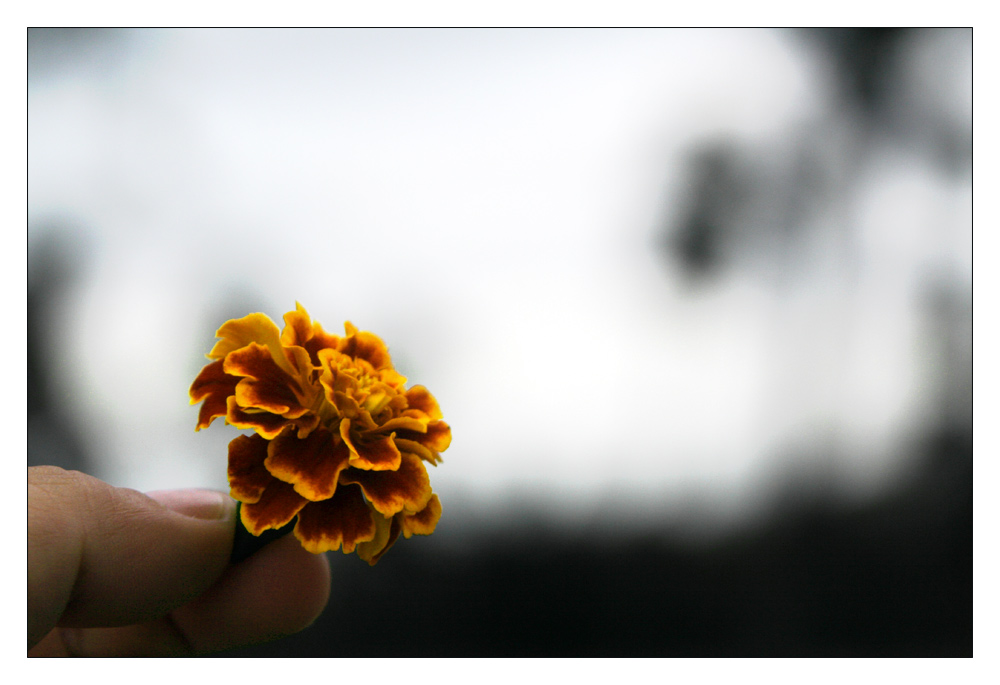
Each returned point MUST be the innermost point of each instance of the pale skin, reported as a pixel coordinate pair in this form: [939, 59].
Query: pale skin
[114, 572]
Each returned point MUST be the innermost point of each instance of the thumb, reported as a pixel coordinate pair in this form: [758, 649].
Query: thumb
[101, 556]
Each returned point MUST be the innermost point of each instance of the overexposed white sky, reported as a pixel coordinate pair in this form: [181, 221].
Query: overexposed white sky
[489, 202]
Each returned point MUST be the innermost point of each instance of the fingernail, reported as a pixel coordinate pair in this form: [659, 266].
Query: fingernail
[208, 505]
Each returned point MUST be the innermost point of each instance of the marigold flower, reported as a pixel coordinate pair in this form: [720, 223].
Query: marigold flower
[337, 441]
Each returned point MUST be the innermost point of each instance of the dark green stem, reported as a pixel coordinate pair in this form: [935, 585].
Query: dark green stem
[245, 543]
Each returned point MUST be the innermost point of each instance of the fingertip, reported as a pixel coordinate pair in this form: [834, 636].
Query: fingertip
[279, 591]
[301, 580]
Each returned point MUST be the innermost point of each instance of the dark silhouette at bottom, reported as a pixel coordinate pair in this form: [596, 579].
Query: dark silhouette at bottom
[892, 577]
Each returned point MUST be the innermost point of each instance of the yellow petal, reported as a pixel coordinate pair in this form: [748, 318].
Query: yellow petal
[253, 328]
[424, 522]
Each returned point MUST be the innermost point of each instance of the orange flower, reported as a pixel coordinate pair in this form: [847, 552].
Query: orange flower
[338, 441]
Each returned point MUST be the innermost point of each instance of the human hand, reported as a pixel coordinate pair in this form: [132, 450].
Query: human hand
[113, 572]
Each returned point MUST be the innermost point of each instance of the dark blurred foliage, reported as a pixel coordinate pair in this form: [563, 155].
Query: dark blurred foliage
[733, 202]
[892, 577]
[54, 52]
[863, 58]
[698, 241]
[54, 263]
[868, 64]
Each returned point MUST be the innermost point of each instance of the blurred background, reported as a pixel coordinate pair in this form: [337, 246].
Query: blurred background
[696, 304]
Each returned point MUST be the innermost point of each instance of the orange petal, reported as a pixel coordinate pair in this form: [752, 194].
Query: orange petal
[407, 488]
[266, 424]
[402, 423]
[438, 436]
[247, 475]
[300, 330]
[253, 328]
[277, 506]
[377, 400]
[320, 341]
[419, 398]
[266, 386]
[344, 519]
[299, 358]
[363, 423]
[379, 454]
[392, 378]
[373, 549]
[252, 394]
[394, 532]
[312, 465]
[298, 327]
[425, 522]
[367, 346]
[416, 448]
[345, 404]
[237, 333]
[213, 385]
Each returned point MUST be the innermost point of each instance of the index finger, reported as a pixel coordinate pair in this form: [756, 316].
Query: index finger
[105, 556]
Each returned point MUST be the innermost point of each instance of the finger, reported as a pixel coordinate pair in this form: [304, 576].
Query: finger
[105, 556]
[278, 591]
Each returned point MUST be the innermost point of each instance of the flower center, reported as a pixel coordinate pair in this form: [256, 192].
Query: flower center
[365, 384]
[354, 378]
[369, 391]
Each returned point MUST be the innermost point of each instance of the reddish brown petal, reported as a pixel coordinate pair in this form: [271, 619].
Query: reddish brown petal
[390, 492]
[277, 506]
[321, 340]
[266, 424]
[300, 330]
[419, 398]
[306, 424]
[213, 385]
[275, 399]
[370, 347]
[438, 436]
[266, 386]
[247, 475]
[345, 519]
[378, 454]
[312, 464]
[425, 522]
[367, 346]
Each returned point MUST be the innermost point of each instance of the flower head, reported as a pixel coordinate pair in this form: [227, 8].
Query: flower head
[338, 441]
